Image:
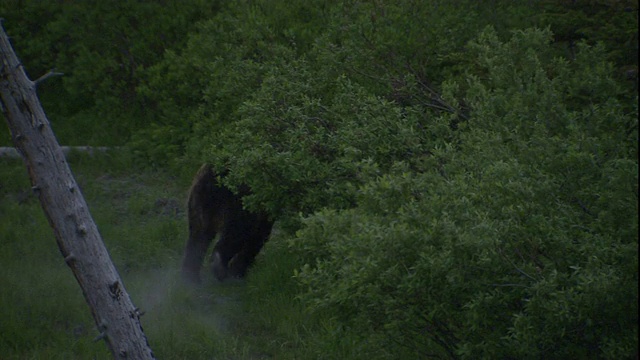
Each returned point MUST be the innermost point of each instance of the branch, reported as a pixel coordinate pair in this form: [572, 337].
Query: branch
[509, 285]
[46, 76]
[514, 265]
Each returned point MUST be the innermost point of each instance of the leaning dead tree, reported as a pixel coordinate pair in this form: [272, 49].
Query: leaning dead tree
[12, 153]
[118, 320]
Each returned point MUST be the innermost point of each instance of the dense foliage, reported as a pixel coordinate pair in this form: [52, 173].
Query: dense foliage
[513, 241]
[104, 50]
[455, 179]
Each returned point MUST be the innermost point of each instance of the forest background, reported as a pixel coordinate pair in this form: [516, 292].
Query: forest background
[451, 179]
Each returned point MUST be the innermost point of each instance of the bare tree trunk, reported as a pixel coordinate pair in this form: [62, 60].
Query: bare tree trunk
[12, 153]
[77, 235]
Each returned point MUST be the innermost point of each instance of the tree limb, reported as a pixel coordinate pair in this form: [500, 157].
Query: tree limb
[46, 76]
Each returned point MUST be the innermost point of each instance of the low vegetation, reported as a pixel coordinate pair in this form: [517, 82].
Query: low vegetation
[141, 217]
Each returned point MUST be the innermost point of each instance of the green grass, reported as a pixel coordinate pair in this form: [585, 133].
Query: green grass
[141, 217]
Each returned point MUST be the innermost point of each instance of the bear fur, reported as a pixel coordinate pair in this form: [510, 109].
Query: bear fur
[213, 209]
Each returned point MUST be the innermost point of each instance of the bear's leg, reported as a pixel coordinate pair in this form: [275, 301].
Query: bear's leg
[230, 243]
[202, 224]
[194, 254]
[252, 246]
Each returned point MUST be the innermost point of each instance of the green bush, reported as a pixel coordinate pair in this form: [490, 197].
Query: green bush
[105, 51]
[519, 238]
[394, 51]
[318, 147]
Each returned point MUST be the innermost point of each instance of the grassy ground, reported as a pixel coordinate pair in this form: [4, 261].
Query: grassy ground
[142, 221]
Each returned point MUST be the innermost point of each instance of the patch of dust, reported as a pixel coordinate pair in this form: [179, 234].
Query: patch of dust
[166, 301]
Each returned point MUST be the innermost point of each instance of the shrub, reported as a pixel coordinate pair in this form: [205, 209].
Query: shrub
[506, 245]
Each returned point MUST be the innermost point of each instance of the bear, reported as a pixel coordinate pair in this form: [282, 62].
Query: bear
[214, 209]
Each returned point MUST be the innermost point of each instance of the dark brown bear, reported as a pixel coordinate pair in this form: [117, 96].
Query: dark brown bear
[215, 209]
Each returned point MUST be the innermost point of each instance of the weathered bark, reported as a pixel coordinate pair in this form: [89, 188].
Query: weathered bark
[12, 153]
[118, 320]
